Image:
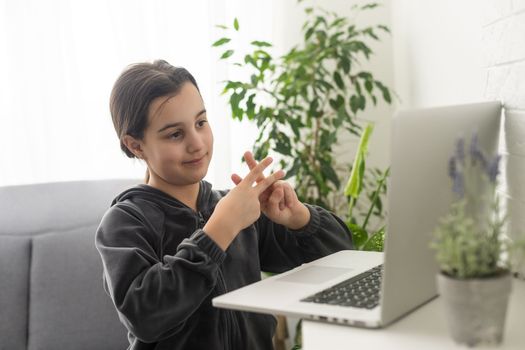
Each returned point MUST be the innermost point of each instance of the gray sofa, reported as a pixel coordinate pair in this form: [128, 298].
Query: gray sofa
[51, 294]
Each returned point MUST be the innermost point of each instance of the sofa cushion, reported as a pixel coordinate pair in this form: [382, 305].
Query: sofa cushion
[69, 308]
[56, 206]
[14, 274]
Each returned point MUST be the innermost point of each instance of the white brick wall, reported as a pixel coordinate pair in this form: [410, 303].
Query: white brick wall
[504, 41]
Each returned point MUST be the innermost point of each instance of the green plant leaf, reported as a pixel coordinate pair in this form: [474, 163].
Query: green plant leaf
[249, 59]
[369, 31]
[385, 91]
[293, 170]
[359, 236]
[236, 24]
[338, 80]
[345, 63]
[383, 27]
[365, 75]
[369, 6]
[369, 86]
[355, 182]
[254, 79]
[226, 54]
[354, 103]
[250, 107]
[376, 242]
[361, 102]
[338, 22]
[221, 41]
[261, 43]
[308, 33]
[330, 174]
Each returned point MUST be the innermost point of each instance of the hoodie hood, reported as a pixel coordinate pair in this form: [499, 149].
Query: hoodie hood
[151, 194]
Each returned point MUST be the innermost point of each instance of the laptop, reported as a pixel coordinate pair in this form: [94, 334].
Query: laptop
[402, 278]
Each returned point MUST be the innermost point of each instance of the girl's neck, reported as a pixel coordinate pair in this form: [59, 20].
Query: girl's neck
[187, 194]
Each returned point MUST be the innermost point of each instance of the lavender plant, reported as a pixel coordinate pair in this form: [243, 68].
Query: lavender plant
[469, 241]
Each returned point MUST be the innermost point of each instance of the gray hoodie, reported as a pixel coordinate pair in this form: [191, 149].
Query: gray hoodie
[162, 271]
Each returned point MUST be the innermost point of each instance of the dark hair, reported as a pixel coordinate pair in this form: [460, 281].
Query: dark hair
[135, 89]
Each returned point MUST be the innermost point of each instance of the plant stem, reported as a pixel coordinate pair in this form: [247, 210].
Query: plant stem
[351, 207]
[376, 195]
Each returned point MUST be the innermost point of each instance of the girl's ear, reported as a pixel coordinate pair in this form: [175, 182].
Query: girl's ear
[134, 146]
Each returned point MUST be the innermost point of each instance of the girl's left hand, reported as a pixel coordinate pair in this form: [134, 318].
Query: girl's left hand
[279, 202]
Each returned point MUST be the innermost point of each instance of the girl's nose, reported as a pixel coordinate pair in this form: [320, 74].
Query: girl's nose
[195, 142]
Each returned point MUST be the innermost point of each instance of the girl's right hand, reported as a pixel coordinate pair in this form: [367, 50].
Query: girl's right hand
[240, 207]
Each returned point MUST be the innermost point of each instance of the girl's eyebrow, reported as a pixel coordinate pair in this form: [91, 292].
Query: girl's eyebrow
[171, 125]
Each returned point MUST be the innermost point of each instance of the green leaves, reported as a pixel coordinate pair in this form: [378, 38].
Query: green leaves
[376, 242]
[304, 100]
[463, 250]
[261, 43]
[221, 41]
[363, 240]
[338, 80]
[226, 54]
[384, 91]
[355, 182]
[359, 235]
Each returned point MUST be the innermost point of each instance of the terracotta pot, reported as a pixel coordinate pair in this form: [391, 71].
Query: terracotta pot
[475, 308]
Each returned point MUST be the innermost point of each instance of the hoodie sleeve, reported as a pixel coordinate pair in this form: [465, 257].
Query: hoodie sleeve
[281, 249]
[154, 296]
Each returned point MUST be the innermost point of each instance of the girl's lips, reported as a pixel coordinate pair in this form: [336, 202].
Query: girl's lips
[194, 161]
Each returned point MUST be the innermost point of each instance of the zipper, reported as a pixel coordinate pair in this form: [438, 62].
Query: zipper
[201, 222]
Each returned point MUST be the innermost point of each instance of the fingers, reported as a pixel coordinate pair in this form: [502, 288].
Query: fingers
[289, 195]
[276, 197]
[236, 179]
[252, 163]
[257, 171]
[250, 160]
[268, 181]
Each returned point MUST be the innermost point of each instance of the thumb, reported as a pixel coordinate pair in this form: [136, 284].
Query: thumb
[236, 179]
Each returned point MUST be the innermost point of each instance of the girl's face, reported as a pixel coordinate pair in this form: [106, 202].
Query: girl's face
[178, 142]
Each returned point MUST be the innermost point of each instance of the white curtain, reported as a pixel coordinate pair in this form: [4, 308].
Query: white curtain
[59, 60]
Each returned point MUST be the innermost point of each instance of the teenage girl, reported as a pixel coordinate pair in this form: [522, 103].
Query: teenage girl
[170, 245]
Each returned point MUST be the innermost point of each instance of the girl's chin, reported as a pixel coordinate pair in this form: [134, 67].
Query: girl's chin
[193, 177]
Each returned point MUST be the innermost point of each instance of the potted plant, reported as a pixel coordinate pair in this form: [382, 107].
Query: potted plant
[472, 250]
[304, 100]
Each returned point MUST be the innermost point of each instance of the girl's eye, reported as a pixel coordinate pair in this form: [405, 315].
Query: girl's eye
[175, 135]
[201, 123]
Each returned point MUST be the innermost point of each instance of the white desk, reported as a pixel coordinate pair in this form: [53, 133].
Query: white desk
[425, 328]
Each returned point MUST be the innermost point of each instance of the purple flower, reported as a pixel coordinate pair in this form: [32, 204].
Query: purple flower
[476, 154]
[493, 168]
[454, 171]
[460, 150]
[458, 168]
[458, 186]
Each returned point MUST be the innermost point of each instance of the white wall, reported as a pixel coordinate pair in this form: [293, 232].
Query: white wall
[438, 52]
[504, 38]
[459, 51]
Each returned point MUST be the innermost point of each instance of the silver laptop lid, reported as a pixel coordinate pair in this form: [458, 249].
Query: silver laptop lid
[420, 193]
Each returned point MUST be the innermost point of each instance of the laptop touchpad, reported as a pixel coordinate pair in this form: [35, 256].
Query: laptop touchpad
[314, 274]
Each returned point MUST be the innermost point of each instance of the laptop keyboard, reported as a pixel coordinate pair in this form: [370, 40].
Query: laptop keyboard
[361, 291]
